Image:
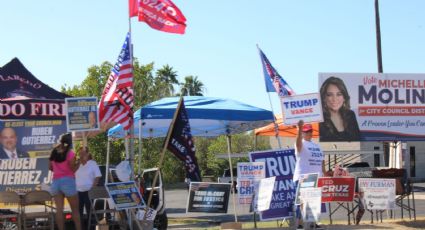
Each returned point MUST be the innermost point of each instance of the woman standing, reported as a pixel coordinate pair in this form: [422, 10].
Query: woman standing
[62, 163]
[87, 176]
[340, 123]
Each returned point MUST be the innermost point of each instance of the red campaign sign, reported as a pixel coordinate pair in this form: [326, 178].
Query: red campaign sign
[162, 15]
[337, 189]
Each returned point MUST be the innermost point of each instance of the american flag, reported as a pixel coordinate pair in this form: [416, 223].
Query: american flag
[117, 100]
[274, 82]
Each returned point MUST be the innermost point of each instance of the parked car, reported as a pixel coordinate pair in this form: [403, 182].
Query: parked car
[226, 178]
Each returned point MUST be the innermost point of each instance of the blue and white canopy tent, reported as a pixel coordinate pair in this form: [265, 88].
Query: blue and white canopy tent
[208, 117]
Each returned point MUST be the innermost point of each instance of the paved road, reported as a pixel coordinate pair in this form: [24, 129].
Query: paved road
[176, 201]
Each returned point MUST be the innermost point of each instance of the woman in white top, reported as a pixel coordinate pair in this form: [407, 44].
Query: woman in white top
[87, 176]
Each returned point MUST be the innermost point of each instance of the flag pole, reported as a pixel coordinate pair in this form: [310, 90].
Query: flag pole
[161, 158]
[276, 126]
[131, 132]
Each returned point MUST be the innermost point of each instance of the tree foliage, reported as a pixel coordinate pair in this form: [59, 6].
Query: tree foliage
[149, 86]
[192, 86]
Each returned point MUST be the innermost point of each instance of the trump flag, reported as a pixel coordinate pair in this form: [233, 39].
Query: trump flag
[274, 82]
[181, 143]
[161, 15]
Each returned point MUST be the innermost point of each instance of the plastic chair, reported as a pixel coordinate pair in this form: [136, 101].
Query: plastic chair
[43, 217]
[10, 219]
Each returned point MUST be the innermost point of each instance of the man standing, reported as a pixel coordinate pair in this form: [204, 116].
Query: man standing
[8, 141]
[309, 157]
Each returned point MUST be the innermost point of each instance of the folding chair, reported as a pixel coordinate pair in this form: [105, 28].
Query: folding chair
[10, 219]
[42, 217]
[103, 214]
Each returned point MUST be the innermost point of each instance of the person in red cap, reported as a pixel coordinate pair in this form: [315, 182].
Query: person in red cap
[309, 157]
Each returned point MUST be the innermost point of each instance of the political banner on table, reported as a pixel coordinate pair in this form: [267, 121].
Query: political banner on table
[377, 193]
[264, 195]
[24, 174]
[82, 114]
[305, 107]
[208, 197]
[281, 164]
[31, 138]
[249, 175]
[305, 181]
[125, 195]
[311, 204]
[373, 106]
[337, 189]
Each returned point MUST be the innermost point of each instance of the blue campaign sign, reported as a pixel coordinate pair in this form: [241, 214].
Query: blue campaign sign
[281, 164]
[82, 114]
[125, 195]
[31, 138]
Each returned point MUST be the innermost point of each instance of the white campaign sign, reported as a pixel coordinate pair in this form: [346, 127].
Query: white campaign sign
[305, 107]
[249, 175]
[385, 105]
[378, 193]
[311, 203]
[265, 193]
[150, 216]
[251, 170]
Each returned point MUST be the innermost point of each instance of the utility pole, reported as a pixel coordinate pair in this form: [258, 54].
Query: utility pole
[378, 37]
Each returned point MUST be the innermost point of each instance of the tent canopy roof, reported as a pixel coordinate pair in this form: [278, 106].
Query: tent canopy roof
[17, 82]
[208, 116]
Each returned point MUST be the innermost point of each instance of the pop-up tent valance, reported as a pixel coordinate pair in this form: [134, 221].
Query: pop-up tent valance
[208, 117]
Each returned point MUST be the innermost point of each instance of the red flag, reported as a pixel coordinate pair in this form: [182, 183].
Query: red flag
[133, 8]
[162, 15]
[116, 104]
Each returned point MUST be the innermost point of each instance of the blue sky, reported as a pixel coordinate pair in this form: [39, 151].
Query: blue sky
[58, 40]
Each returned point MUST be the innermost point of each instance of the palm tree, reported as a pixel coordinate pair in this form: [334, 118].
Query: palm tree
[167, 76]
[192, 87]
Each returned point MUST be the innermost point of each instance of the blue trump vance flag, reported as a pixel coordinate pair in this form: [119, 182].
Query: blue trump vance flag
[274, 82]
[181, 143]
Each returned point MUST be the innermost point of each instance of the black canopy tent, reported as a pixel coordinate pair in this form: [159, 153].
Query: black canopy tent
[23, 96]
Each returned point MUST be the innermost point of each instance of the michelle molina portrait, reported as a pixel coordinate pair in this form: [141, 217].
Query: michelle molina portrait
[339, 121]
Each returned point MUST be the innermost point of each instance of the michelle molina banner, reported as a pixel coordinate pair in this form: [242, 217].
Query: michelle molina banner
[373, 107]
